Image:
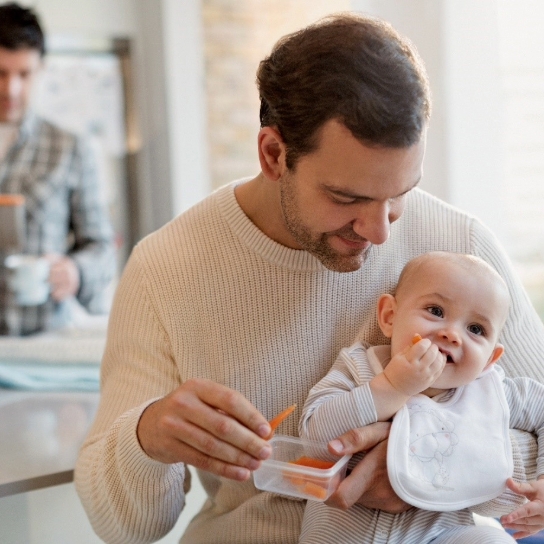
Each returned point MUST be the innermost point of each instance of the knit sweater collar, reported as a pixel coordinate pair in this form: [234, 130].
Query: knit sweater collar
[258, 242]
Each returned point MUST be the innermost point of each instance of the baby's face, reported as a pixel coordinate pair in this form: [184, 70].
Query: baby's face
[459, 310]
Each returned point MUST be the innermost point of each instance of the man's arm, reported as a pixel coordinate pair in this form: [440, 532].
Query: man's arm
[93, 251]
[193, 423]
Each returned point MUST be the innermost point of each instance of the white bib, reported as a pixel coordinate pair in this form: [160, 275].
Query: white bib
[449, 455]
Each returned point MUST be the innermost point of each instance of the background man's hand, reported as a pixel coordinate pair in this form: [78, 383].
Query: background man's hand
[63, 276]
[206, 425]
[368, 484]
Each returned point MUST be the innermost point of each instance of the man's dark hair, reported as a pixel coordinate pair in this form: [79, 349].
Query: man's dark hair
[20, 29]
[352, 68]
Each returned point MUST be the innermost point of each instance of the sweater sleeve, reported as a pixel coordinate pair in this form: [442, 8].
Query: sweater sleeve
[526, 400]
[128, 496]
[523, 340]
[341, 400]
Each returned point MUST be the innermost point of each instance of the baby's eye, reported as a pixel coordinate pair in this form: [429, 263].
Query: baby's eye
[435, 310]
[476, 329]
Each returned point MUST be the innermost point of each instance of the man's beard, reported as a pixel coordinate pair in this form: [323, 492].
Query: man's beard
[317, 244]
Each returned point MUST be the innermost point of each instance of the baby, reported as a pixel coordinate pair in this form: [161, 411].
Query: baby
[449, 446]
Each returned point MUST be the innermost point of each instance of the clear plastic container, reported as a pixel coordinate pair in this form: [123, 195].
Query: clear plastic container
[280, 473]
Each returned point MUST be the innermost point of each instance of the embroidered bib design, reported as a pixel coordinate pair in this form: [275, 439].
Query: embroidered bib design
[432, 441]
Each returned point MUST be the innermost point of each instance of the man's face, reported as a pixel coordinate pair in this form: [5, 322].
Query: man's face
[343, 197]
[18, 70]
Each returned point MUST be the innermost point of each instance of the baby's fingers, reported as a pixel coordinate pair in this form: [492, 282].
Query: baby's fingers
[526, 489]
[524, 527]
[519, 515]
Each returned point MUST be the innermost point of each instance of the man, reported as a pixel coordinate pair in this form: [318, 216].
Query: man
[65, 217]
[235, 309]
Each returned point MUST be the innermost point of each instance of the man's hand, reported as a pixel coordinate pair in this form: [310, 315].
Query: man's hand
[368, 484]
[529, 518]
[206, 425]
[63, 276]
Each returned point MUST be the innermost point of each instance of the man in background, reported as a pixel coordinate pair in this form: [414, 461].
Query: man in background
[66, 220]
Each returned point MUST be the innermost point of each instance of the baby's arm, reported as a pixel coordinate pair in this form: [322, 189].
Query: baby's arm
[408, 373]
[341, 400]
[529, 518]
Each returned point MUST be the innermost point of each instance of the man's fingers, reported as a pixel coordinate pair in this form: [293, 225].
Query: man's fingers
[232, 403]
[350, 489]
[361, 439]
[187, 434]
[368, 484]
[218, 467]
[63, 276]
[213, 429]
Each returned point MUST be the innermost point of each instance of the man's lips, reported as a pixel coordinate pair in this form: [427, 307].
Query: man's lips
[360, 245]
[8, 104]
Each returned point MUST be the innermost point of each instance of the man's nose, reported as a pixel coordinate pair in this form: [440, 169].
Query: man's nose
[374, 222]
[13, 86]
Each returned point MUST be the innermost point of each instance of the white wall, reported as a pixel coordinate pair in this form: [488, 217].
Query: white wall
[458, 41]
[185, 93]
[88, 17]
[166, 38]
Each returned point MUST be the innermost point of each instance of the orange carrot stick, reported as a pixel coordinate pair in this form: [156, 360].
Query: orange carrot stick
[416, 339]
[313, 463]
[276, 420]
[315, 490]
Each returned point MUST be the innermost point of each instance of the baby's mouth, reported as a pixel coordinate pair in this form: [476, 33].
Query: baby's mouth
[449, 358]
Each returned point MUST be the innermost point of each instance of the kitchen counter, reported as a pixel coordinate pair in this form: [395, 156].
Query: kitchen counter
[40, 436]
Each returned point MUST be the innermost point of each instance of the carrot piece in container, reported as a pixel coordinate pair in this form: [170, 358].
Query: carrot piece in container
[313, 463]
[315, 490]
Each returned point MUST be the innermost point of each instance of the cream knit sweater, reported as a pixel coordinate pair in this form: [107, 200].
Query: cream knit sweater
[209, 295]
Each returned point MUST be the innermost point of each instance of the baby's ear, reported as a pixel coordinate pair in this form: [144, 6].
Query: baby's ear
[495, 356]
[387, 307]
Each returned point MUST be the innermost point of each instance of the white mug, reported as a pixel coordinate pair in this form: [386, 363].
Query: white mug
[28, 279]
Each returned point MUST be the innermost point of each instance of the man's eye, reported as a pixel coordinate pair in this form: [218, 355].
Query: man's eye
[476, 329]
[435, 310]
[342, 199]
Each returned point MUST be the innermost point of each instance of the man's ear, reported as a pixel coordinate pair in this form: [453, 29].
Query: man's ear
[495, 356]
[272, 152]
[387, 306]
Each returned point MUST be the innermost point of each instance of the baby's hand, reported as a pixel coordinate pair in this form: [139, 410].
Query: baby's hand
[529, 518]
[416, 368]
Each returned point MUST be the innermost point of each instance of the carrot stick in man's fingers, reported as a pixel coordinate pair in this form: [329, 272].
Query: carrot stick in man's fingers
[276, 420]
[416, 339]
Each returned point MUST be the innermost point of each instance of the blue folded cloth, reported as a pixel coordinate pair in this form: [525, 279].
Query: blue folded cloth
[40, 376]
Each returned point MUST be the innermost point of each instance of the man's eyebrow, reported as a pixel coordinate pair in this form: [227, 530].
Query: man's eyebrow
[348, 194]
